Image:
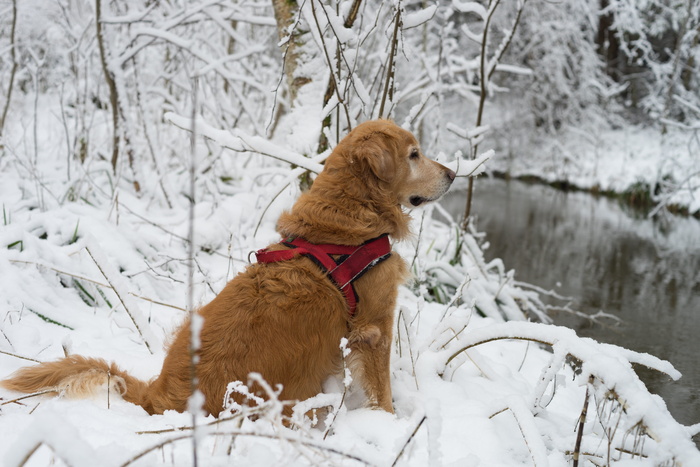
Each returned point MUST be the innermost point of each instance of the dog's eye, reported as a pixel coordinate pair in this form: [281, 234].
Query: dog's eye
[414, 154]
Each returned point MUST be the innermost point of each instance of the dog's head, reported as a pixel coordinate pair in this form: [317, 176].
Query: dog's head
[388, 158]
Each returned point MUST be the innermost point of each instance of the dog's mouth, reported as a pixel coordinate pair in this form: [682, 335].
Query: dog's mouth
[418, 200]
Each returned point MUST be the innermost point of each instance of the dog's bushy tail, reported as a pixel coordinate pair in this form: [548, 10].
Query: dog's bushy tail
[78, 377]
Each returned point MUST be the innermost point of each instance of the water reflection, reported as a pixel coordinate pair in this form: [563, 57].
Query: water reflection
[608, 258]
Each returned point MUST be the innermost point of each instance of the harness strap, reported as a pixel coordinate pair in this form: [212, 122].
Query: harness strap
[353, 262]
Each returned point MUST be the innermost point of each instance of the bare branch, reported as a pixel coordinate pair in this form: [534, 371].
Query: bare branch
[390, 67]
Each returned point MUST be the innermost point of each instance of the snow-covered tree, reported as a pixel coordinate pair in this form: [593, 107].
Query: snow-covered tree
[654, 45]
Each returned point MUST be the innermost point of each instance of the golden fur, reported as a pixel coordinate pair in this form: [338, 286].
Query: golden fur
[285, 320]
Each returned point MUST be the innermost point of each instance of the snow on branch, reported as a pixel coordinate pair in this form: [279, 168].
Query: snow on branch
[130, 18]
[466, 168]
[692, 125]
[239, 141]
[505, 42]
[583, 349]
[419, 17]
[515, 70]
[687, 104]
[473, 136]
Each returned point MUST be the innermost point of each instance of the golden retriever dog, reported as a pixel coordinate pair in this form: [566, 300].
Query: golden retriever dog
[285, 319]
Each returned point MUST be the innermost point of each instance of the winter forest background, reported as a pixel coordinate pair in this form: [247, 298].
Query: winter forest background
[147, 147]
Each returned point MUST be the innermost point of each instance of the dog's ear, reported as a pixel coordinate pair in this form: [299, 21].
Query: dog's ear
[376, 155]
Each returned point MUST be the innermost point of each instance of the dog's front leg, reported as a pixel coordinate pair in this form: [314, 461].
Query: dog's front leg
[369, 359]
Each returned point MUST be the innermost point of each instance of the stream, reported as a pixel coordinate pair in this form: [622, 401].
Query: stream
[606, 257]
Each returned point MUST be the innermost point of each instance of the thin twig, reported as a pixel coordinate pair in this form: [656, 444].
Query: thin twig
[402, 316]
[194, 318]
[482, 101]
[31, 452]
[132, 310]
[526, 423]
[332, 83]
[346, 385]
[492, 339]
[153, 223]
[256, 410]
[278, 437]
[27, 396]
[582, 421]
[19, 356]
[415, 430]
[392, 54]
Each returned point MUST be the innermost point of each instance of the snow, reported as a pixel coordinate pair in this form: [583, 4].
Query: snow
[90, 266]
[470, 7]
[417, 18]
[336, 23]
[492, 404]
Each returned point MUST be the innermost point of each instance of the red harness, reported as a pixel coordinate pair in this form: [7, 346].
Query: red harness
[352, 263]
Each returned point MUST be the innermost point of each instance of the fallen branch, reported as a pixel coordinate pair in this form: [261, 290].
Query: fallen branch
[552, 335]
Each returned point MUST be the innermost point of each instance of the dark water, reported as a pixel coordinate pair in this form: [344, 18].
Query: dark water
[607, 257]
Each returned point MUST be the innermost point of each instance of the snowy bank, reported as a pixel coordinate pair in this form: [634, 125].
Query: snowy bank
[632, 159]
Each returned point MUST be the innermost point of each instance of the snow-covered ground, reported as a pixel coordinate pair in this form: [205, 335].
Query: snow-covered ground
[474, 382]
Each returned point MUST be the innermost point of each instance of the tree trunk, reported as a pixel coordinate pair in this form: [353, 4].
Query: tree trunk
[689, 68]
[286, 12]
[608, 45]
[14, 66]
[286, 15]
[113, 97]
